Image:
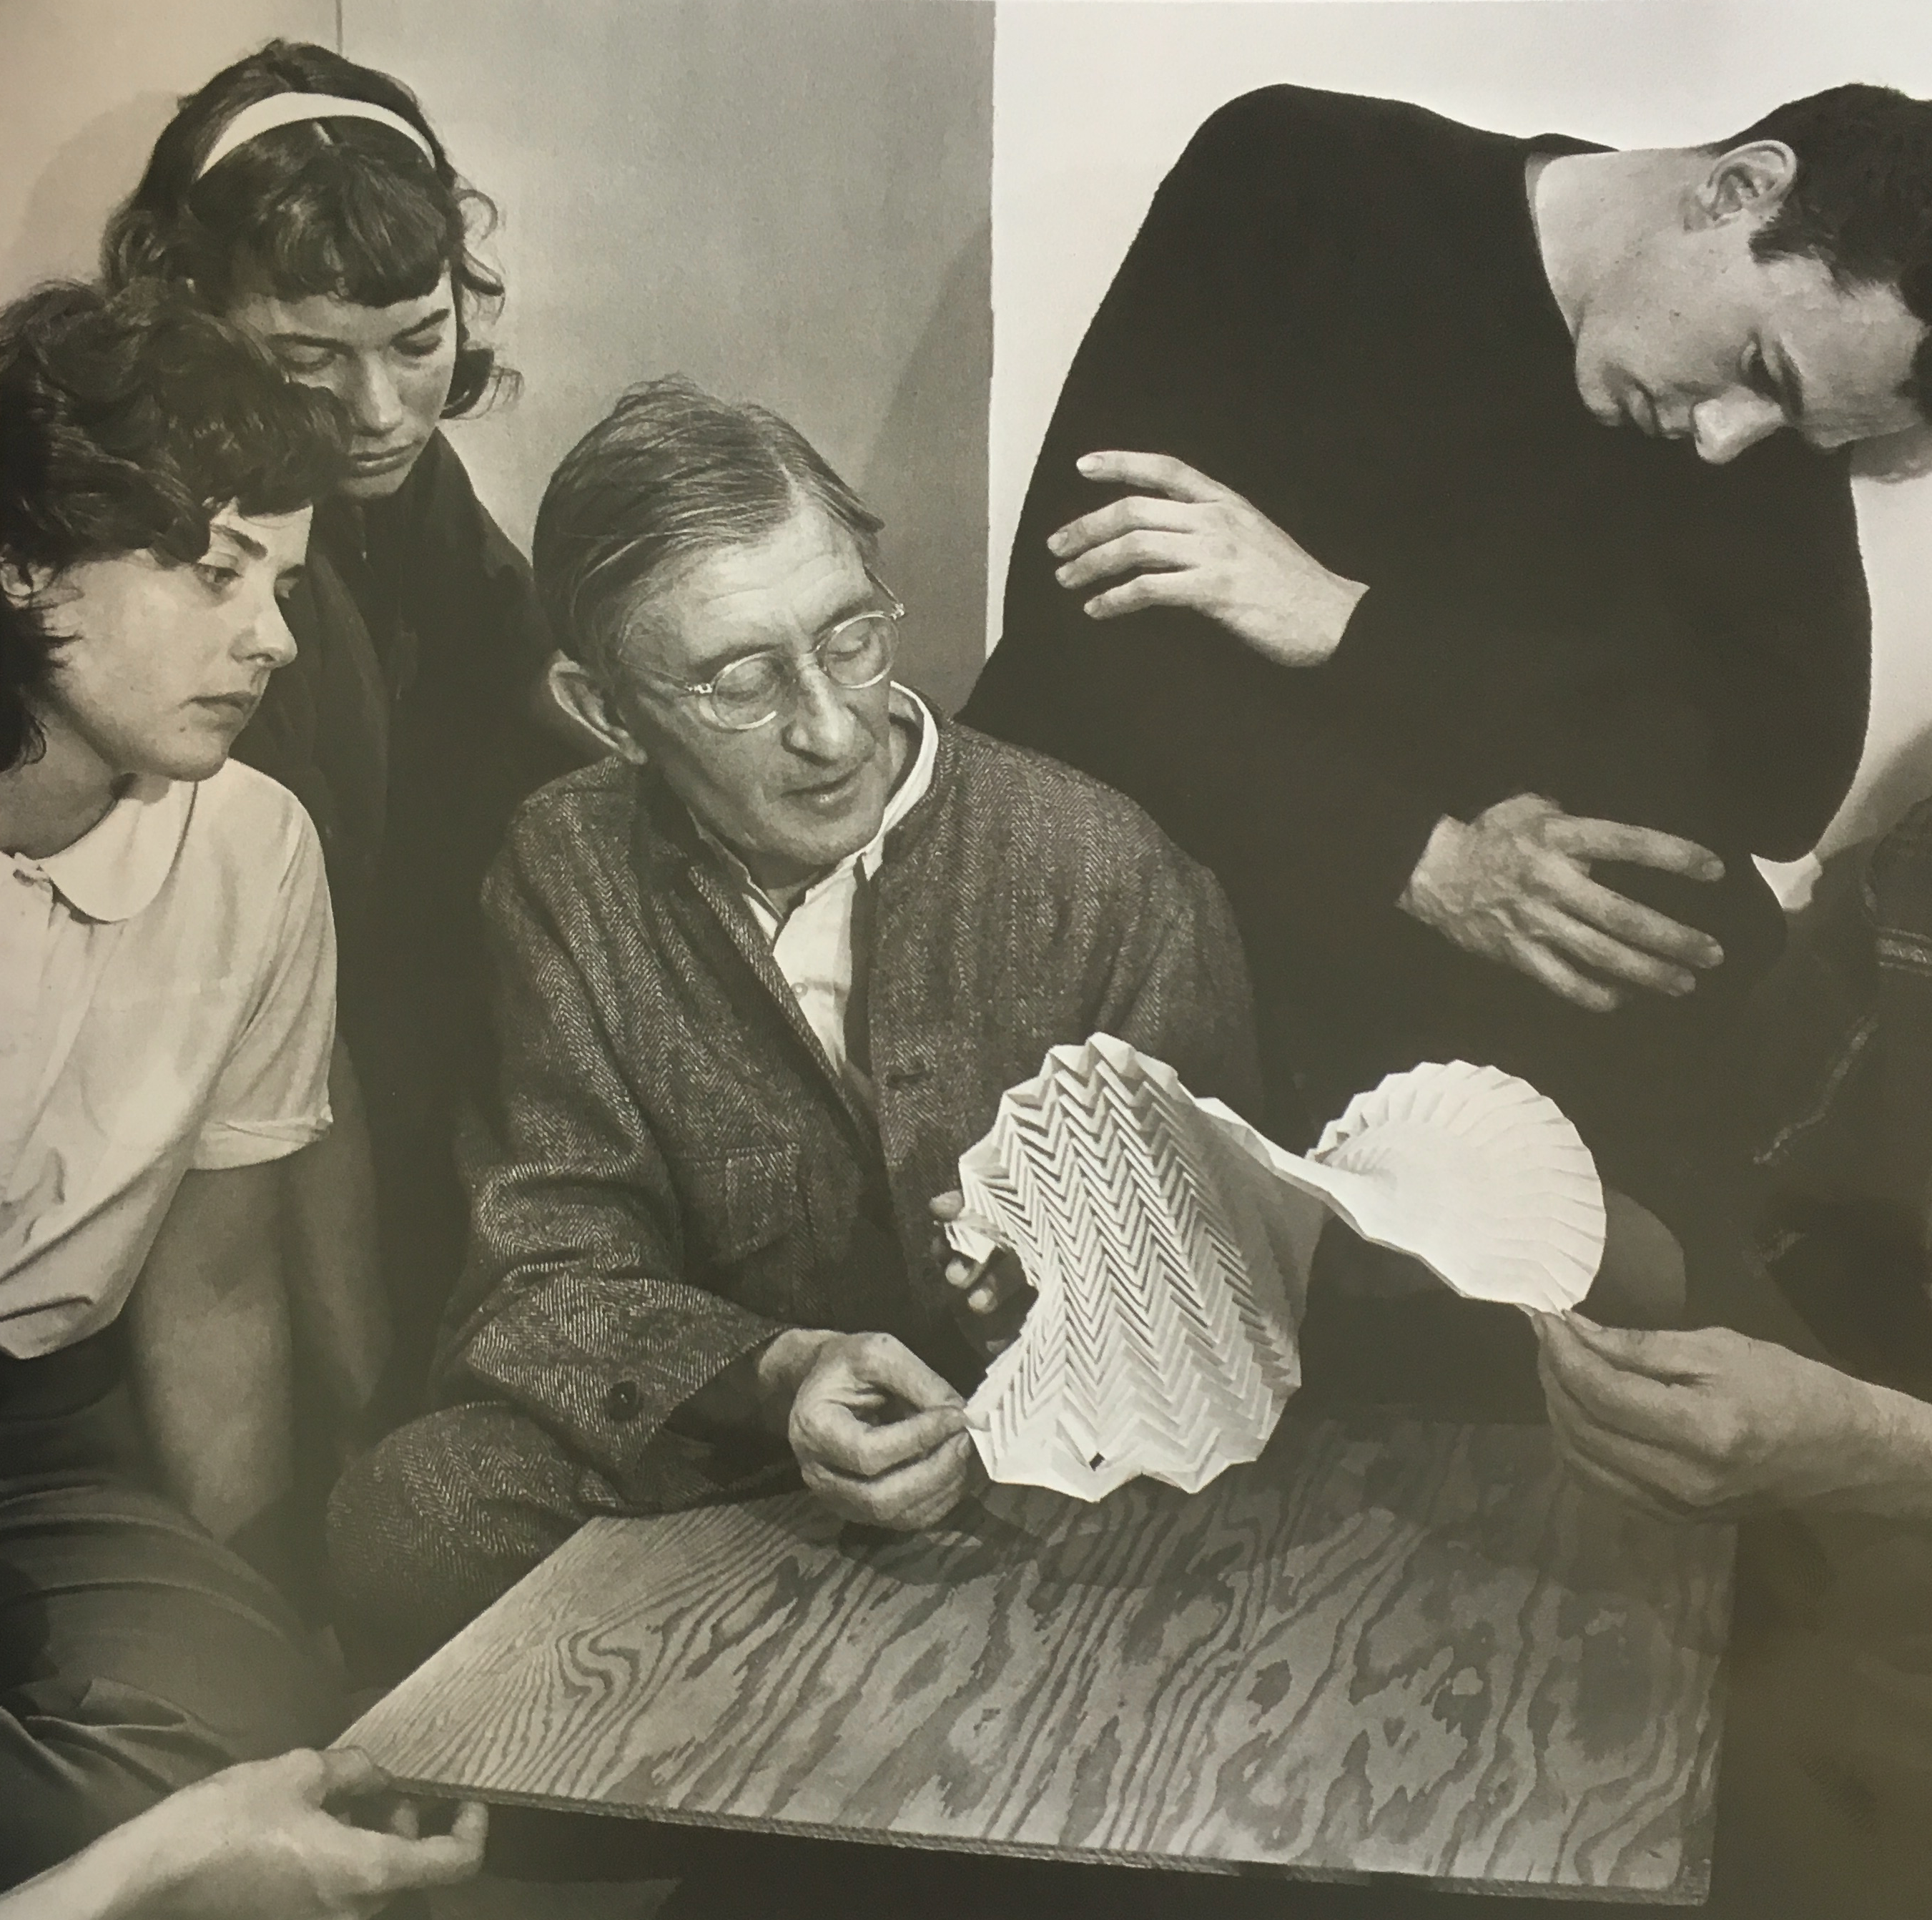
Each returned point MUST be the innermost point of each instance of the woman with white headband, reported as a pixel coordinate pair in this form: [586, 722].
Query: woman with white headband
[308, 199]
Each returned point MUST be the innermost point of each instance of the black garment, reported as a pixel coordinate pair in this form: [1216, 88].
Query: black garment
[136, 1654]
[405, 725]
[1337, 307]
[1840, 1049]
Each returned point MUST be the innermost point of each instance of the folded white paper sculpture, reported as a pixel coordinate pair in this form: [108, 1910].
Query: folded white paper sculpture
[1169, 1244]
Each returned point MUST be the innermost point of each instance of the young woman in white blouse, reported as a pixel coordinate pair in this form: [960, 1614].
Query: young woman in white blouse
[166, 1016]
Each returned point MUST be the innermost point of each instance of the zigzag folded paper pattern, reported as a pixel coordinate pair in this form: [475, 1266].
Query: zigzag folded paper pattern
[1169, 1244]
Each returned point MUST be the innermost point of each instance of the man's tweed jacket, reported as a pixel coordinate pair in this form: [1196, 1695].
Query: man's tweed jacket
[677, 1173]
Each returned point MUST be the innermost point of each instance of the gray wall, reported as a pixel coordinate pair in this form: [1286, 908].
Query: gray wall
[788, 202]
[84, 86]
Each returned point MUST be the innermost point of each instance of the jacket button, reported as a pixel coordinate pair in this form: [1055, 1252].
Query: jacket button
[622, 1400]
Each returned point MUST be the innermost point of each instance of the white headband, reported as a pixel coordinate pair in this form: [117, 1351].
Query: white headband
[284, 109]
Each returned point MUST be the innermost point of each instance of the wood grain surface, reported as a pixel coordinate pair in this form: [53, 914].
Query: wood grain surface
[1409, 1647]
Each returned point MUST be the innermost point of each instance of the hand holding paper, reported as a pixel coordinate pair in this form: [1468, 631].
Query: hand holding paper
[1709, 1424]
[877, 1434]
[990, 1292]
[1170, 1244]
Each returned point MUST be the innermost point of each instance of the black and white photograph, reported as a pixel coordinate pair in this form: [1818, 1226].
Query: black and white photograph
[965, 958]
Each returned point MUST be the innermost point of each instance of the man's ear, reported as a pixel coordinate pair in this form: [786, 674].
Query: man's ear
[580, 698]
[22, 584]
[1751, 181]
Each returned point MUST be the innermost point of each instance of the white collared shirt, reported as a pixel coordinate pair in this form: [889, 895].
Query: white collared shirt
[820, 946]
[167, 1002]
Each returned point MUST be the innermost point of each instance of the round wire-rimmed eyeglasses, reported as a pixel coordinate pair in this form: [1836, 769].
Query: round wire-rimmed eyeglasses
[751, 691]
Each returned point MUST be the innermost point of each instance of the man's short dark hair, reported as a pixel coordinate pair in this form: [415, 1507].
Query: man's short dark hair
[1861, 203]
[669, 474]
[126, 424]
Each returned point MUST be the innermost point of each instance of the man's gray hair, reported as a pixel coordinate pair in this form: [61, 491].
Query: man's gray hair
[671, 473]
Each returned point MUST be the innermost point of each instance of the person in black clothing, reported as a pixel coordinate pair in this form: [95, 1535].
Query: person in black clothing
[308, 199]
[1478, 710]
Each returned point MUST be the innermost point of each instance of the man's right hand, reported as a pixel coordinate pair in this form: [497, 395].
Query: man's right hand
[1513, 885]
[879, 1436]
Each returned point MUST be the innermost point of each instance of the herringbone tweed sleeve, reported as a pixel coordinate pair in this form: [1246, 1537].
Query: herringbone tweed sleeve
[1178, 988]
[574, 1285]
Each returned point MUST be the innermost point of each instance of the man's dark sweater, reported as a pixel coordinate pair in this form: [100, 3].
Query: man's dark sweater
[1337, 307]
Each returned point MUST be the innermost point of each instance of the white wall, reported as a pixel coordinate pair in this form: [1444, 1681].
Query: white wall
[1094, 100]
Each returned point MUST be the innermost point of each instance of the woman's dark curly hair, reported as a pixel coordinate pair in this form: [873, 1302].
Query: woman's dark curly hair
[126, 423]
[347, 208]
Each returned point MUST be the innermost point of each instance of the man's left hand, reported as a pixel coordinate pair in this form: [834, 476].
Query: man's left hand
[1709, 1424]
[1184, 540]
[990, 1297]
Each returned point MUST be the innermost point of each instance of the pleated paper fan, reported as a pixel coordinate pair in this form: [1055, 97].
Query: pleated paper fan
[1162, 1342]
[1475, 1173]
[1169, 1244]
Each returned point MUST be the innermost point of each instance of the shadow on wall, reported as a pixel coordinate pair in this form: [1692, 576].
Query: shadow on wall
[85, 178]
[1893, 457]
[1899, 774]
[1892, 792]
[934, 497]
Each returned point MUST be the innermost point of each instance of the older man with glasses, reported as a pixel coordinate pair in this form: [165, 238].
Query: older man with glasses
[761, 975]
